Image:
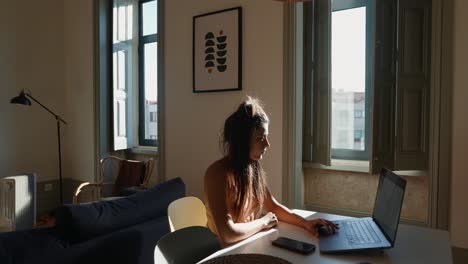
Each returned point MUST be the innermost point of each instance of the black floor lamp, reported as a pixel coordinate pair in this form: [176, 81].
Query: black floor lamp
[22, 98]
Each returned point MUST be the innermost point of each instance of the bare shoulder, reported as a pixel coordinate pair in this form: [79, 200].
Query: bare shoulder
[217, 172]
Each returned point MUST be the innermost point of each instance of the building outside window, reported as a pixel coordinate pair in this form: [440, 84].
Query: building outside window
[349, 82]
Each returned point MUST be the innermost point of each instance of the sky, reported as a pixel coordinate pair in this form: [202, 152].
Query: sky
[349, 49]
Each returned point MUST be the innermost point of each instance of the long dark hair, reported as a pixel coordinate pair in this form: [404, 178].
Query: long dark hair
[249, 177]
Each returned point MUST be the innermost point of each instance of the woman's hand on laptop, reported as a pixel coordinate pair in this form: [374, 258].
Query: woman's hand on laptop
[270, 220]
[320, 226]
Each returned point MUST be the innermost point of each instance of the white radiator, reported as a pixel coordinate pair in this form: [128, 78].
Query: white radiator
[7, 200]
[18, 200]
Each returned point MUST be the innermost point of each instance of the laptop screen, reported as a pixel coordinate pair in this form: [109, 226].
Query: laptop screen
[388, 202]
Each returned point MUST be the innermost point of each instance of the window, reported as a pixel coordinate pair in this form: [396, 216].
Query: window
[358, 114]
[135, 39]
[148, 57]
[351, 29]
[367, 78]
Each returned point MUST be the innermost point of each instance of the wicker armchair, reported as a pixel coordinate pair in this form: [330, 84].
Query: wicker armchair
[116, 175]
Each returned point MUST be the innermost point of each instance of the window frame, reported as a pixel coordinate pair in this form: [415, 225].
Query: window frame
[142, 40]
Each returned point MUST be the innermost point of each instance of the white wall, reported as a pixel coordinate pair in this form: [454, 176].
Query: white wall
[79, 90]
[459, 209]
[31, 56]
[194, 121]
[47, 47]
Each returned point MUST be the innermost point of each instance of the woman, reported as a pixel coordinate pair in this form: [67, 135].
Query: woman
[236, 193]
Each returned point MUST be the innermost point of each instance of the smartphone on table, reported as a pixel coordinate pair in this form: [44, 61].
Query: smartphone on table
[294, 245]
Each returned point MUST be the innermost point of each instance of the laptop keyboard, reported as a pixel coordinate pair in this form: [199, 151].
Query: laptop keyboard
[360, 232]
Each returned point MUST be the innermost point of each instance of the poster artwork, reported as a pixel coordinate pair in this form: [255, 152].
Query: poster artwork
[216, 49]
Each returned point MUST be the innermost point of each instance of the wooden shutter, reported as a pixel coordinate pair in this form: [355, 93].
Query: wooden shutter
[124, 63]
[321, 95]
[103, 75]
[120, 87]
[383, 101]
[309, 66]
[402, 82]
[413, 84]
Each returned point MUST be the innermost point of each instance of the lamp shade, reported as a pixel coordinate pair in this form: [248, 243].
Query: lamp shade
[20, 99]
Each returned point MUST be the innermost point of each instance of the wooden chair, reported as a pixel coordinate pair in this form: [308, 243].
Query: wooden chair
[116, 174]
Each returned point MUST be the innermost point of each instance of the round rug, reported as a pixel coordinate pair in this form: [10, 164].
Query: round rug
[246, 259]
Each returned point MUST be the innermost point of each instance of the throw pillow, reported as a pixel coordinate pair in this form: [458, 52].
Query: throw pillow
[77, 223]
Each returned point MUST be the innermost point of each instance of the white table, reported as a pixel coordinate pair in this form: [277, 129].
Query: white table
[413, 245]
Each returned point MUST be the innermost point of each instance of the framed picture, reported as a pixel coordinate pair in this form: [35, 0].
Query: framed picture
[217, 51]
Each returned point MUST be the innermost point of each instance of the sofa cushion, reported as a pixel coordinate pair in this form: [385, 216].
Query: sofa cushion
[78, 223]
[134, 244]
[23, 246]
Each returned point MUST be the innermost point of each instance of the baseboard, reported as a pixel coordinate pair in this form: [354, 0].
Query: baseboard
[459, 255]
[355, 213]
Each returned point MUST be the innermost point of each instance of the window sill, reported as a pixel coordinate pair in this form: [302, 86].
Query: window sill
[412, 173]
[144, 150]
[341, 165]
[359, 166]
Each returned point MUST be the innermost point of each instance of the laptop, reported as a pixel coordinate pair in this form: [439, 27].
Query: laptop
[376, 232]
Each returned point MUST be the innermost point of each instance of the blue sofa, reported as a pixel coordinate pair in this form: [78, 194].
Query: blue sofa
[124, 230]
